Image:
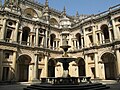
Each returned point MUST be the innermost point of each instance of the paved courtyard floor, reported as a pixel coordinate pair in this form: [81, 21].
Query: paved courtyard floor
[20, 86]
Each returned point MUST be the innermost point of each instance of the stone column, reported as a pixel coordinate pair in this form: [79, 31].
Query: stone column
[78, 46]
[31, 43]
[3, 30]
[103, 39]
[115, 31]
[86, 65]
[20, 38]
[16, 32]
[94, 35]
[1, 58]
[14, 65]
[85, 39]
[81, 43]
[100, 34]
[118, 61]
[96, 65]
[45, 40]
[36, 67]
[46, 66]
[110, 36]
[37, 37]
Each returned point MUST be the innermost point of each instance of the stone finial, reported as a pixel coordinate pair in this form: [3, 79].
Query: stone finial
[0, 3]
[46, 3]
[64, 11]
[77, 14]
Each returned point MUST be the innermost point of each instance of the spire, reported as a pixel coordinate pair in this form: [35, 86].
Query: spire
[0, 3]
[46, 3]
[64, 11]
[77, 14]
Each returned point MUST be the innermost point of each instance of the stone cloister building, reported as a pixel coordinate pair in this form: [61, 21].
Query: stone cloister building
[31, 36]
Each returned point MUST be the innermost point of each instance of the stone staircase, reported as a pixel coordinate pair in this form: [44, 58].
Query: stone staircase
[86, 86]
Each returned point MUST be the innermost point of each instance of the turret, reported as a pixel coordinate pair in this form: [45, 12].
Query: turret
[46, 11]
[65, 21]
[11, 5]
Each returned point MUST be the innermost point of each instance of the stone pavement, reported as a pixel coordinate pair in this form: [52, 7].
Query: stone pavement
[19, 86]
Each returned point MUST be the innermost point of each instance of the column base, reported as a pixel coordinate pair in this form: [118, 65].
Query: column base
[2, 40]
[35, 80]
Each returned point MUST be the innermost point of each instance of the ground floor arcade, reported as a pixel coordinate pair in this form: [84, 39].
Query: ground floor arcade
[27, 68]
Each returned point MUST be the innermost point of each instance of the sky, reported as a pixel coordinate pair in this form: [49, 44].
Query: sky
[82, 6]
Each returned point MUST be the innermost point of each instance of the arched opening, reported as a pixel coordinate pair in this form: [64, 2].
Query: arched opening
[81, 67]
[53, 22]
[52, 38]
[41, 37]
[105, 32]
[51, 68]
[23, 68]
[25, 35]
[108, 60]
[78, 36]
[31, 13]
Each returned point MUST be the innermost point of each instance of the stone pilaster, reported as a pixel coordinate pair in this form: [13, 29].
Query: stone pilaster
[85, 39]
[115, 30]
[45, 40]
[94, 35]
[3, 30]
[36, 67]
[16, 32]
[86, 65]
[96, 65]
[37, 37]
[118, 61]
[1, 58]
[14, 65]
[46, 66]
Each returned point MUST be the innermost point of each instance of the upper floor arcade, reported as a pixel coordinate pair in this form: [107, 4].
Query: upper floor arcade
[95, 30]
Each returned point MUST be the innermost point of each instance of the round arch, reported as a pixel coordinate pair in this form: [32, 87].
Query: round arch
[51, 68]
[105, 32]
[78, 37]
[52, 38]
[81, 66]
[109, 61]
[25, 35]
[29, 12]
[23, 67]
[53, 21]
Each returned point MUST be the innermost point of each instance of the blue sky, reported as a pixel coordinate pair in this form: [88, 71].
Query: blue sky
[82, 6]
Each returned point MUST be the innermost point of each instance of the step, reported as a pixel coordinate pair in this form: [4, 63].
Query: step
[96, 86]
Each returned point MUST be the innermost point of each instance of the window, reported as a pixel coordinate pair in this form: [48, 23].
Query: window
[119, 20]
[7, 55]
[10, 23]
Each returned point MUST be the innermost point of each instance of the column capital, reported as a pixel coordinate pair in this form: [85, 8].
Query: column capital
[5, 18]
[17, 21]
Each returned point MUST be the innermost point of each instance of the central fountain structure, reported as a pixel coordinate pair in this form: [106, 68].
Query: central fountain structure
[66, 82]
